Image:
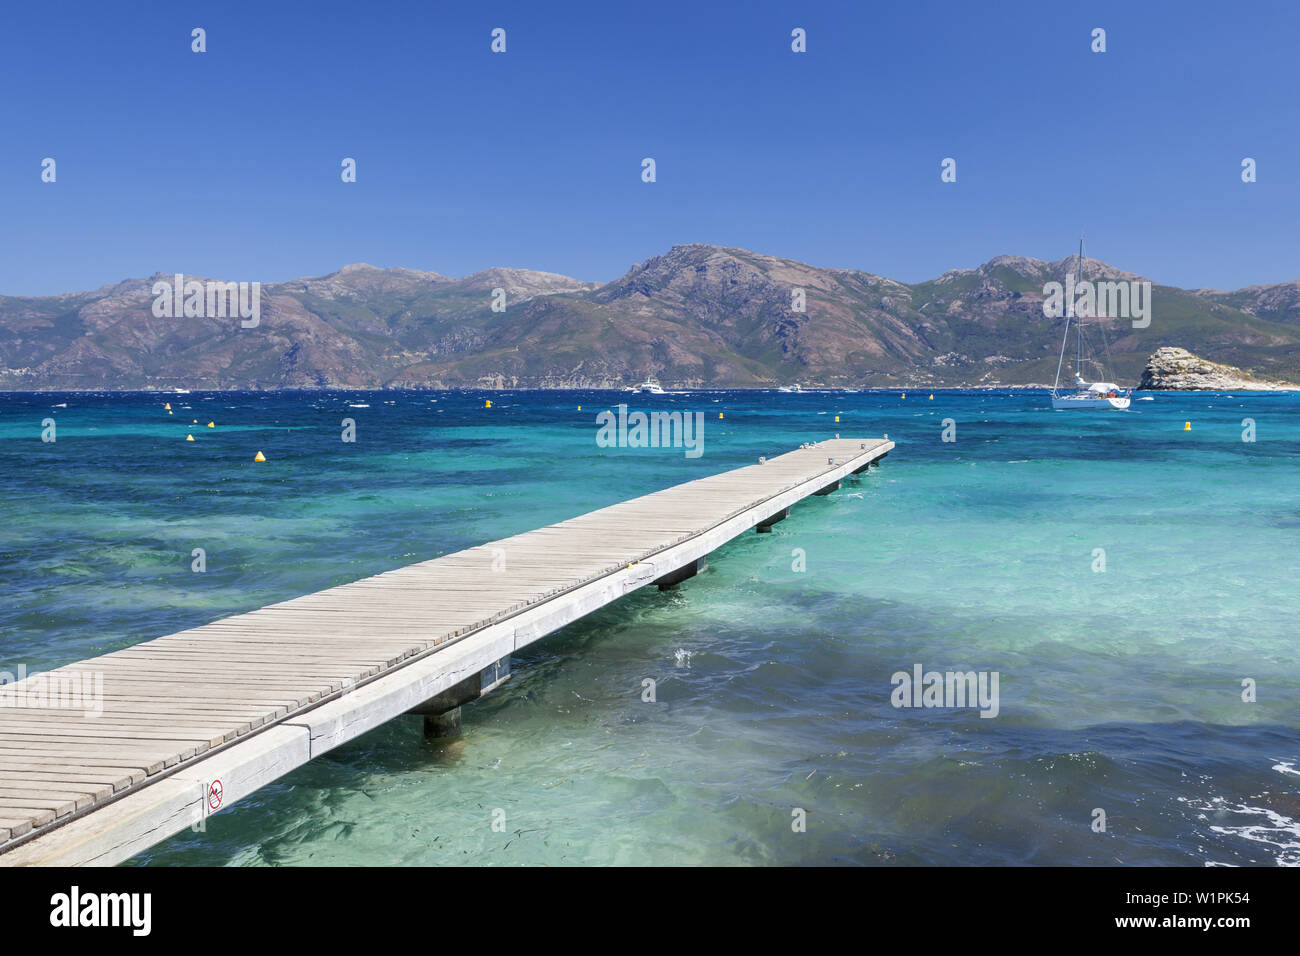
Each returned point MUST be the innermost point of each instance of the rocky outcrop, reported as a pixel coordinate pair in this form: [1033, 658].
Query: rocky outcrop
[1175, 368]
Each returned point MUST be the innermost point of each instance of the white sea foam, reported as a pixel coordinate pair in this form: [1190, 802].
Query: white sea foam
[1280, 831]
[1255, 824]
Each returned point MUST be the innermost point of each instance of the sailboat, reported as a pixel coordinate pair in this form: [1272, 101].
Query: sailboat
[1104, 395]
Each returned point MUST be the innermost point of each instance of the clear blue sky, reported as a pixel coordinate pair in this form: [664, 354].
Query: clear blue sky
[227, 163]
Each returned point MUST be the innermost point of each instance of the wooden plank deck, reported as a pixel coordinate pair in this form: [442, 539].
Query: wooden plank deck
[246, 699]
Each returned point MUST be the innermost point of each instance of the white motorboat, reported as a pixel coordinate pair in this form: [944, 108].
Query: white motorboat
[649, 387]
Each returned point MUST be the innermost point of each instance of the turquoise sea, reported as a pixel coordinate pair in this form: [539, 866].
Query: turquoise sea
[1120, 690]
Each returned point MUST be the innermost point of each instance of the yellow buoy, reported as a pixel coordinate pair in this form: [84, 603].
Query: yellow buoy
[210, 425]
[169, 411]
[487, 403]
[1187, 426]
[168, 406]
[837, 418]
[719, 414]
[195, 421]
[259, 457]
[905, 394]
[579, 408]
[189, 438]
[931, 398]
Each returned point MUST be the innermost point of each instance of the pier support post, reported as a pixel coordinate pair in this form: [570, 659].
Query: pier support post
[765, 526]
[688, 570]
[875, 461]
[833, 486]
[446, 724]
[441, 712]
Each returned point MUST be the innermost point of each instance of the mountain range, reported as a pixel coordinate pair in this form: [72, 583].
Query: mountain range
[697, 316]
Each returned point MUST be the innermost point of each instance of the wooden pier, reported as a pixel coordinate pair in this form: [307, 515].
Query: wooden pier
[194, 721]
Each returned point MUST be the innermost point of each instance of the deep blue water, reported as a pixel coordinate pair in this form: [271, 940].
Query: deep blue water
[1119, 690]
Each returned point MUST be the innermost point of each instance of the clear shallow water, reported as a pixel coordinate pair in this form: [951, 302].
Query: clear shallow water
[1119, 690]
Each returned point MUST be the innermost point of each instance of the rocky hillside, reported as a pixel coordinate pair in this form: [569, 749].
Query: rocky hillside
[696, 316]
[1175, 368]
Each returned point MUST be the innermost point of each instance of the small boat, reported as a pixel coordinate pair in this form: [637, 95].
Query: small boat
[790, 388]
[1086, 395]
[180, 391]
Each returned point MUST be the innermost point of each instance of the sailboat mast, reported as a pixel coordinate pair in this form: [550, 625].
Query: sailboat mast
[1078, 325]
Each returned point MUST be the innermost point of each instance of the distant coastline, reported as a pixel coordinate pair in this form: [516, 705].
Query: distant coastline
[698, 316]
[807, 389]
